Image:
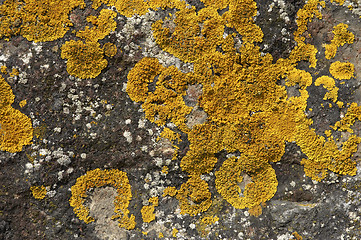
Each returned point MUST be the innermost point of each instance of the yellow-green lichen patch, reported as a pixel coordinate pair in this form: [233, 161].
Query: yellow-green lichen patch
[148, 214]
[342, 70]
[15, 128]
[341, 37]
[85, 60]
[100, 178]
[329, 84]
[38, 192]
[194, 196]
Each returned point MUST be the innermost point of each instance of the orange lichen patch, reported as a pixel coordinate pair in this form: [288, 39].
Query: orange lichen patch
[15, 128]
[304, 52]
[38, 192]
[148, 211]
[261, 189]
[323, 155]
[103, 25]
[14, 72]
[85, 60]
[194, 196]
[297, 236]
[219, 4]
[342, 70]
[22, 103]
[37, 20]
[305, 15]
[100, 178]
[329, 84]
[209, 220]
[249, 112]
[3, 69]
[140, 7]
[165, 169]
[188, 41]
[353, 113]
[171, 191]
[6, 94]
[340, 2]
[166, 102]
[341, 36]
[255, 211]
[109, 49]
[39, 27]
[10, 18]
[170, 135]
[300, 77]
[240, 16]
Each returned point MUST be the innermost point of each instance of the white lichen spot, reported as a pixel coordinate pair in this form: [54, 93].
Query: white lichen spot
[141, 123]
[128, 136]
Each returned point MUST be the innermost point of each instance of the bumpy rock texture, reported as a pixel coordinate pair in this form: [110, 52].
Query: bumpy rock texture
[196, 119]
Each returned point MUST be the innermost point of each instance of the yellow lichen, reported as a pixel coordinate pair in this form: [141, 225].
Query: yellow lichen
[110, 49]
[342, 70]
[297, 236]
[248, 112]
[353, 113]
[3, 69]
[38, 192]
[100, 178]
[171, 191]
[22, 103]
[305, 15]
[37, 20]
[148, 211]
[103, 25]
[341, 37]
[85, 60]
[166, 102]
[174, 232]
[340, 2]
[170, 135]
[329, 84]
[255, 211]
[14, 72]
[194, 196]
[262, 187]
[165, 169]
[15, 128]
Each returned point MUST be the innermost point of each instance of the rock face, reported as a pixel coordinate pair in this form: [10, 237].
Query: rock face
[190, 119]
